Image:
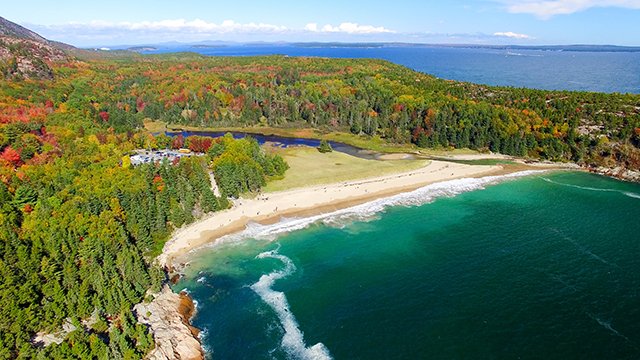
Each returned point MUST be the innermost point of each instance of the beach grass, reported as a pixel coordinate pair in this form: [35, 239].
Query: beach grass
[309, 167]
[154, 126]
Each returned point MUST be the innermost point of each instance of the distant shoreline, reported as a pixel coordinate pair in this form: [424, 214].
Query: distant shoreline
[333, 44]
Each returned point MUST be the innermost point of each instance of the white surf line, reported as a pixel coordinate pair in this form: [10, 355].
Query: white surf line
[369, 210]
[631, 194]
[627, 193]
[293, 339]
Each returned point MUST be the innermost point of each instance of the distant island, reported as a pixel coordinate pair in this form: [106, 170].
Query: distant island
[142, 48]
[342, 44]
[205, 46]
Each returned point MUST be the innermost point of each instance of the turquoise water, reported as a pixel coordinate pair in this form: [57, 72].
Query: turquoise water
[542, 266]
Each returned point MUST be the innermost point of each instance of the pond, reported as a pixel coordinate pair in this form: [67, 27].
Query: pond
[286, 141]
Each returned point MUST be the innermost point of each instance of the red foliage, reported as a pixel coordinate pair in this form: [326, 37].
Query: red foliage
[48, 106]
[179, 98]
[104, 116]
[11, 155]
[178, 142]
[200, 144]
[140, 104]
[27, 208]
[637, 130]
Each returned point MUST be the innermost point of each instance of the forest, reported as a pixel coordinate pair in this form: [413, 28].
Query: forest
[363, 97]
[80, 226]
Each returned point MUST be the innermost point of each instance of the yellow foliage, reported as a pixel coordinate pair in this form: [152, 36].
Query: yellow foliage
[126, 162]
[93, 139]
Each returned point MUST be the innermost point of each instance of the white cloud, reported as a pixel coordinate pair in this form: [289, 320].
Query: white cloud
[178, 25]
[512, 35]
[546, 9]
[225, 27]
[348, 28]
[313, 27]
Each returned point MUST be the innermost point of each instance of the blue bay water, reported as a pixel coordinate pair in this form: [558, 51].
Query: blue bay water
[549, 70]
[542, 266]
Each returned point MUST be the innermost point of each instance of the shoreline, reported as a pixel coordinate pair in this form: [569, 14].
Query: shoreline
[269, 208]
[341, 195]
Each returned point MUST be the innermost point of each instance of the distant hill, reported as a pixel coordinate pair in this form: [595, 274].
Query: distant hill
[25, 54]
[10, 29]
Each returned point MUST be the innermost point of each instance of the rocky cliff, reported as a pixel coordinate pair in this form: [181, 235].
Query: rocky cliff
[168, 319]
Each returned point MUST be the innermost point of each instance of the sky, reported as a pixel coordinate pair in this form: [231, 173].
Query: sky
[526, 22]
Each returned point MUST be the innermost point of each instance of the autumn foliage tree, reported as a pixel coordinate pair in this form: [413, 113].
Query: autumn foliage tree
[199, 144]
[11, 156]
[178, 142]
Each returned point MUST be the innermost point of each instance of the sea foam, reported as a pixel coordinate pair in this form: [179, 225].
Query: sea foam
[369, 210]
[293, 339]
[632, 194]
[626, 193]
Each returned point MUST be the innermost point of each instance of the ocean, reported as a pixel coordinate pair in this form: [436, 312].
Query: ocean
[541, 69]
[536, 265]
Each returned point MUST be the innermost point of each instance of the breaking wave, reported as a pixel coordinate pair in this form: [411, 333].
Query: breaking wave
[626, 193]
[369, 210]
[293, 339]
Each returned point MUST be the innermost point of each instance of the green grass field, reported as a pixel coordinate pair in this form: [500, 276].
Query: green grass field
[310, 167]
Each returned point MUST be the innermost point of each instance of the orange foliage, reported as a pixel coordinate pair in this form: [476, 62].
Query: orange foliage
[22, 114]
[158, 182]
[11, 156]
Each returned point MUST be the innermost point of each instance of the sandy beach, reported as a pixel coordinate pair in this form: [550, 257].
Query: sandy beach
[307, 201]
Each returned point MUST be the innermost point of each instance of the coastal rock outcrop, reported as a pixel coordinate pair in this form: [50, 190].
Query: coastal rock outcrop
[168, 319]
[618, 173]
